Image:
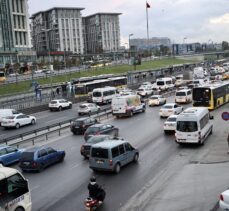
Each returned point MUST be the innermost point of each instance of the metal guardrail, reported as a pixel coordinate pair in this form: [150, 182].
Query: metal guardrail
[31, 136]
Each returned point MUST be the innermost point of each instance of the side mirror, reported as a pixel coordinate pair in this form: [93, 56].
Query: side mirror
[211, 117]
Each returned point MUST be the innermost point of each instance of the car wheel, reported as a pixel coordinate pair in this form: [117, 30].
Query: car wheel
[131, 114]
[19, 209]
[136, 156]
[70, 106]
[17, 125]
[33, 122]
[61, 159]
[117, 168]
[60, 108]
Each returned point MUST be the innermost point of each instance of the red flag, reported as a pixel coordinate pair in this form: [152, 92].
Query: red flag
[147, 5]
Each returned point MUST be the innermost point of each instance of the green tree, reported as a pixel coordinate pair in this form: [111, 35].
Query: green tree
[225, 45]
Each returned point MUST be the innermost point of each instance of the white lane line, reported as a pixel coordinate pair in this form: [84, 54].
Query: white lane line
[75, 165]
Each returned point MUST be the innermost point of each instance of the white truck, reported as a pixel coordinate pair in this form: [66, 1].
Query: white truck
[127, 105]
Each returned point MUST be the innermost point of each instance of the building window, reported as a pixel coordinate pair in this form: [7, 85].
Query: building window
[22, 1]
[19, 22]
[25, 38]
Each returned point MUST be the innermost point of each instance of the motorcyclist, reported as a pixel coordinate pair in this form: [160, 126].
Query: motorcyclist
[95, 191]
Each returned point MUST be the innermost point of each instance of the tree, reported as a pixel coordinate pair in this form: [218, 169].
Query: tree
[225, 45]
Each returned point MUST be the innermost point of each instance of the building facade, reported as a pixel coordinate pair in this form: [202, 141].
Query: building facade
[15, 42]
[102, 33]
[57, 31]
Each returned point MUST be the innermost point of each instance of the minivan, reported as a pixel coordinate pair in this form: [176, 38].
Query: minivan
[111, 155]
[183, 96]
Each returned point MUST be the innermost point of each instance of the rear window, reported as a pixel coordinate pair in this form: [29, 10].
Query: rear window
[53, 102]
[180, 94]
[99, 153]
[171, 119]
[27, 156]
[78, 123]
[97, 139]
[160, 83]
[93, 129]
[187, 126]
[96, 94]
[83, 106]
[167, 107]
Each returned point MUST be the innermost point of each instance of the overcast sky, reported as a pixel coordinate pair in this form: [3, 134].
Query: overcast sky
[196, 20]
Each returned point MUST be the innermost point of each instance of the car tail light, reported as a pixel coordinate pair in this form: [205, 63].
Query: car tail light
[34, 164]
[221, 197]
[82, 148]
[97, 133]
[110, 162]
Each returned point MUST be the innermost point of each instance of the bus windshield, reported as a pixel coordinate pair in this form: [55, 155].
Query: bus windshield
[2, 74]
[187, 126]
[201, 96]
[160, 83]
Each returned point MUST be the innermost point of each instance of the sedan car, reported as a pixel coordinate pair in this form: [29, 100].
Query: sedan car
[169, 109]
[144, 91]
[39, 158]
[156, 100]
[18, 120]
[224, 200]
[170, 124]
[80, 125]
[9, 155]
[99, 129]
[85, 148]
[59, 104]
[88, 108]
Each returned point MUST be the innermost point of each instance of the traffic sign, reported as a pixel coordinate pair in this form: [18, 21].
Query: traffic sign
[225, 116]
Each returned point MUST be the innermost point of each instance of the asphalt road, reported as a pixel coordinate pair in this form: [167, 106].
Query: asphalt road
[64, 186]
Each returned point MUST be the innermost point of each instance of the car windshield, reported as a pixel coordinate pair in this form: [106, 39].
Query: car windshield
[187, 126]
[83, 106]
[167, 107]
[53, 102]
[180, 93]
[154, 98]
[27, 156]
[96, 139]
[160, 83]
[171, 119]
[140, 90]
[99, 153]
[97, 94]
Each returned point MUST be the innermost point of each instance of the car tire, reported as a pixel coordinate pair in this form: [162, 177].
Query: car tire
[19, 209]
[70, 106]
[61, 159]
[136, 156]
[117, 168]
[60, 108]
[17, 126]
[33, 122]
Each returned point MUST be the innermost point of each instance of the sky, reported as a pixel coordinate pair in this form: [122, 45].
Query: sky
[205, 21]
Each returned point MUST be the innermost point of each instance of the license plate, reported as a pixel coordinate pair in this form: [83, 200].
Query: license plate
[26, 163]
[100, 161]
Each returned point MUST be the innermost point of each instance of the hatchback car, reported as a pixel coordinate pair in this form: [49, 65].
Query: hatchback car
[85, 148]
[9, 155]
[169, 109]
[59, 104]
[156, 100]
[80, 125]
[18, 120]
[39, 158]
[224, 200]
[88, 108]
[170, 124]
[99, 129]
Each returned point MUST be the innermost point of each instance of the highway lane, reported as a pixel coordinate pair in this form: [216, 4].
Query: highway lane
[63, 186]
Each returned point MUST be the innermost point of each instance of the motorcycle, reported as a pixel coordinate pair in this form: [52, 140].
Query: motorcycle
[92, 204]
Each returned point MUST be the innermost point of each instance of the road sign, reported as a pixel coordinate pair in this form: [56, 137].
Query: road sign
[225, 116]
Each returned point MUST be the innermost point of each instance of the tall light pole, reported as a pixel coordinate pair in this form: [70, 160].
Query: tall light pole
[185, 38]
[129, 39]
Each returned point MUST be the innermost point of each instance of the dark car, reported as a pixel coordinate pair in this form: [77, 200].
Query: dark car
[85, 148]
[80, 125]
[99, 129]
[39, 158]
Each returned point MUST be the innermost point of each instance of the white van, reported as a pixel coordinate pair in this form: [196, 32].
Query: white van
[193, 125]
[198, 72]
[183, 96]
[7, 112]
[127, 105]
[103, 95]
[164, 83]
[226, 66]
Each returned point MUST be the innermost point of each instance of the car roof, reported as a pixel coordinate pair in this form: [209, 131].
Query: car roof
[34, 149]
[98, 125]
[6, 172]
[109, 143]
[172, 116]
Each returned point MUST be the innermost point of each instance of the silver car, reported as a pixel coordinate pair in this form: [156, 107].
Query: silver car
[88, 108]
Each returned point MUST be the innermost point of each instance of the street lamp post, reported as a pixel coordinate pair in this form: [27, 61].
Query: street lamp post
[129, 45]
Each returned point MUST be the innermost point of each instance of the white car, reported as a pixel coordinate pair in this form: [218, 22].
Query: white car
[169, 109]
[18, 120]
[144, 91]
[59, 104]
[38, 71]
[156, 100]
[170, 124]
[88, 108]
[224, 200]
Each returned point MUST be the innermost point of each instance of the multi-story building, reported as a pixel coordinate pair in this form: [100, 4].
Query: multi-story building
[102, 32]
[58, 31]
[15, 43]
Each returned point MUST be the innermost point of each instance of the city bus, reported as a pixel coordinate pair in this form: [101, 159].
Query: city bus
[2, 77]
[211, 95]
[14, 191]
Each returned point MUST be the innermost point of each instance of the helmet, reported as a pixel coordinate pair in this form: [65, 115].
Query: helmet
[93, 179]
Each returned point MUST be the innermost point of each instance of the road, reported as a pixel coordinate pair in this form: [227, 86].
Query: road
[63, 186]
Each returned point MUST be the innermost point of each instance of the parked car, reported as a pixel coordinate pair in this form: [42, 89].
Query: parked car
[156, 100]
[169, 109]
[224, 200]
[18, 120]
[112, 155]
[59, 104]
[85, 148]
[9, 154]
[98, 129]
[88, 108]
[39, 158]
[80, 125]
[170, 124]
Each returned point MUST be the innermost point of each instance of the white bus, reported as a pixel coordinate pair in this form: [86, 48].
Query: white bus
[164, 83]
[193, 125]
[14, 191]
[103, 95]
